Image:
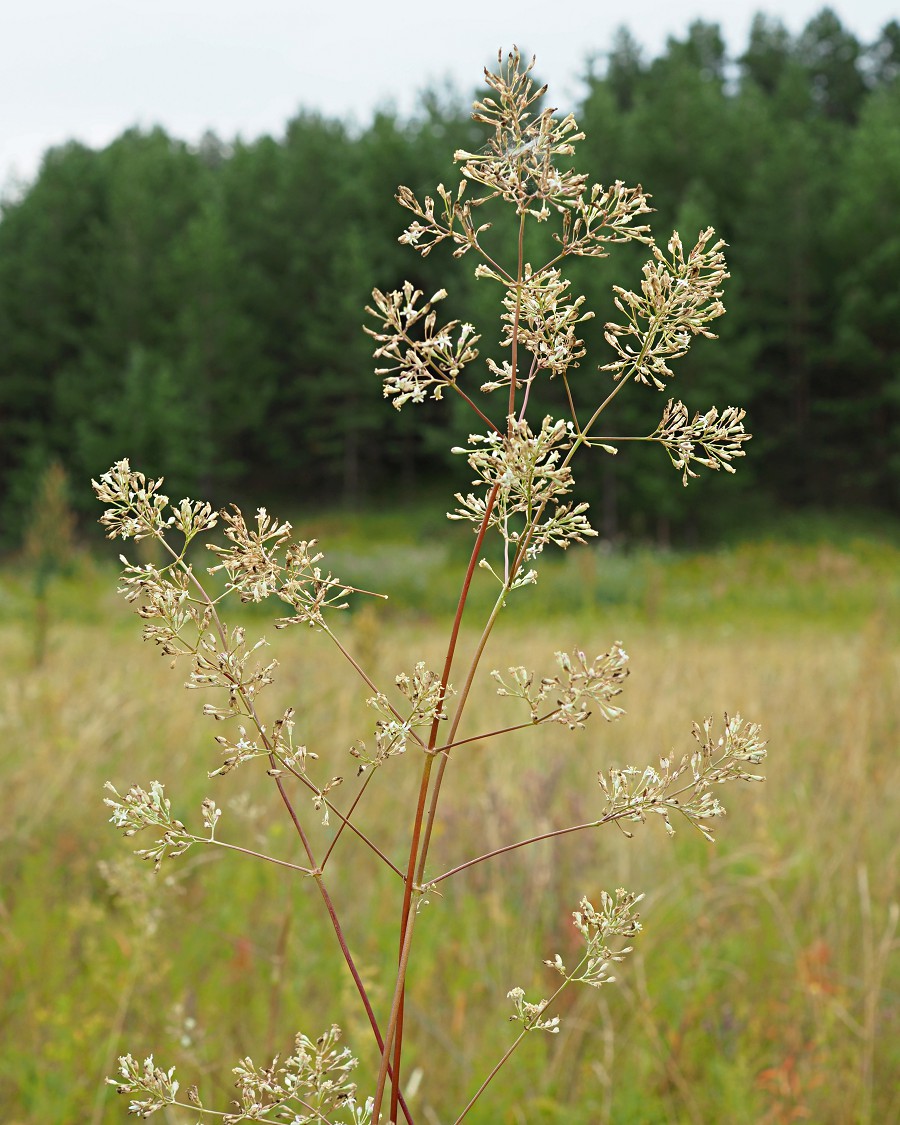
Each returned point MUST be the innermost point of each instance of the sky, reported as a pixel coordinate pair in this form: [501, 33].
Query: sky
[89, 69]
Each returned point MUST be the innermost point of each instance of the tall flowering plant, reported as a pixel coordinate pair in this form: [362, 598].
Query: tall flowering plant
[523, 501]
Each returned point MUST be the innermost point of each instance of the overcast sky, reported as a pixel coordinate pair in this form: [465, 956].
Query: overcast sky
[87, 69]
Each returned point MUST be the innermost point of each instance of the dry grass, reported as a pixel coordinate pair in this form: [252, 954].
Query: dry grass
[766, 986]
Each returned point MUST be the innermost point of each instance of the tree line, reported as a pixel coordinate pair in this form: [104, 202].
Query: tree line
[198, 307]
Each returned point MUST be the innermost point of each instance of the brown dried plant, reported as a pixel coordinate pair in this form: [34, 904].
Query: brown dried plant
[523, 500]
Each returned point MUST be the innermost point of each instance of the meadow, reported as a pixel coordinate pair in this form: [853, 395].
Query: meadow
[765, 987]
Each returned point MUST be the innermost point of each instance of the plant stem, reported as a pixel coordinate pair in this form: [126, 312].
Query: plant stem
[347, 823]
[528, 384]
[419, 853]
[393, 1028]
[670, 803]
[445, 758]
[323, 890]
[633, 437]
[462, 394]
[336, 925]
[497, 1066]
[483, 737]
[426, 772]
[514, 357]
[494, 733]
[521, 844]
[345, 820]
[495, 1070]
[571, 402]
[256, 855]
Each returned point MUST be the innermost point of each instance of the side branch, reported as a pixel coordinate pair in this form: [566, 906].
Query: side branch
[523, 843]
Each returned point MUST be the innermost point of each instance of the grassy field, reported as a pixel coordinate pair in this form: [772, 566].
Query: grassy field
[766, 984]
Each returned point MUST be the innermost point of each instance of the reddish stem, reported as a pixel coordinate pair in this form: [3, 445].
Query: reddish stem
[423, 788]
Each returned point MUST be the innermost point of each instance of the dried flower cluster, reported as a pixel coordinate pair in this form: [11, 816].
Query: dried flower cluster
[585, 684]
[523, 476]
[310, 1085]
[615, 919]
[635, 794]
[419, 365]
[425, 694]
[718, 437]
[677, 301]
[139, 809]
[523, 500]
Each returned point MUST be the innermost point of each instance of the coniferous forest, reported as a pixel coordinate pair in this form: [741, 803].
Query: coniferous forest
[198, 307]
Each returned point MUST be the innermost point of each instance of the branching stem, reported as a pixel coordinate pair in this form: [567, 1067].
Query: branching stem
[423, 794]
[346, 822]
[495, 1070]
[320, 882]
[369, 682]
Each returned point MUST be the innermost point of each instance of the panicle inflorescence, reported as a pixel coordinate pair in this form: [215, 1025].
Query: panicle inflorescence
[229, 665]
[523, 495]
[600, 930]
[158, 1087]
[137, 507]
[602, 217]
[615, 919]
[684, 786]
[425, 695]
[139, 809]
[522, 473]
[259, 561]
[531, 1013]
[423, 356]
[581, 685]
[252, 563]
[525, 162]
[718, 437]
[255, 568]
[541, 319]
[679, 297]
[312, 1082]
[310, 1086]
[525, 476]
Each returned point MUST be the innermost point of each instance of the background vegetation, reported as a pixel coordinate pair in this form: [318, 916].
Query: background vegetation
[142, 284]
[765, 988]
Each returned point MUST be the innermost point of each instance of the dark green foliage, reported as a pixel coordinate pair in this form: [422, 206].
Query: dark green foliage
[200, 307]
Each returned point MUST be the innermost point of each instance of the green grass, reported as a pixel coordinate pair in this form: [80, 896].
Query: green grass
[811, 571]
[757, 992]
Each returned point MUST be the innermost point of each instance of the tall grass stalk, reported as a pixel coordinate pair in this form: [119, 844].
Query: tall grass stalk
[523, 502]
